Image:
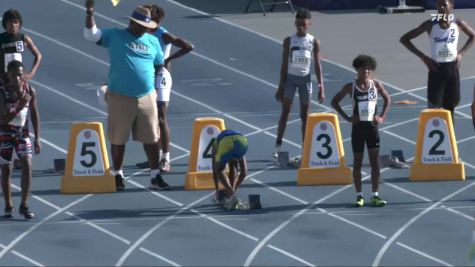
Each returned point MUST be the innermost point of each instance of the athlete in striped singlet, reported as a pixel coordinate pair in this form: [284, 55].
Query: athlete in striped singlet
[17, 100]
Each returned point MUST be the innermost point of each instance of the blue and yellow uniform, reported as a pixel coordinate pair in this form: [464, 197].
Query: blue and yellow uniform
[229, 145]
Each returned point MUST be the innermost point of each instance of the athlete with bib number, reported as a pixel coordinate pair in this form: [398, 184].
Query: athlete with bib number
[364, 92]
[13, 43]
[443, 85]
[298, 51]
[163, 81]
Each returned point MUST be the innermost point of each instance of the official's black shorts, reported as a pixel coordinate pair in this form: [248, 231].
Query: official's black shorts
[443, 86]
[364, 133]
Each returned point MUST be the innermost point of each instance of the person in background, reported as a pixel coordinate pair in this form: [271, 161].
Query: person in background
[299, 50]
[163, 81]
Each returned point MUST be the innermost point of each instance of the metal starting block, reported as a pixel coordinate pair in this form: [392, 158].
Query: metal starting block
[59, 165]
[283, 158]
[398, 154]
[255, 202]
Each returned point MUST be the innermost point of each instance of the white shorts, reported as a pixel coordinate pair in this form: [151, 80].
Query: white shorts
[163, 84]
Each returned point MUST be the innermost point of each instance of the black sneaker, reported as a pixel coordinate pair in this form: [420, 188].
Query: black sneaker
[119, 182]
[25, 211]
[142, 165]
[8, 212]
[159, 183]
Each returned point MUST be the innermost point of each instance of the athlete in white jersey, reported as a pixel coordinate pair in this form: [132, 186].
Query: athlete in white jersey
[443, 84]
[365, 120]
[163, 82]
[299, 50]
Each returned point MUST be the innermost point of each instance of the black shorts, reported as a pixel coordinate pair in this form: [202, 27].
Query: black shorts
[364, 133]
[443, 86]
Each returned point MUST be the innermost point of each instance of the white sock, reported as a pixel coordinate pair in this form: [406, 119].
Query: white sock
[114, 172]
[359, 194]
[160, 153]
[166, 156]
[375, 194]
[277, 149]
[153, 173]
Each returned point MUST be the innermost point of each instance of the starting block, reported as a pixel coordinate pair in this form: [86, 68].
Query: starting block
[59, 165]
[283, 158]
[323, 157]
[398, 154]
[437, 155]
[254, 202]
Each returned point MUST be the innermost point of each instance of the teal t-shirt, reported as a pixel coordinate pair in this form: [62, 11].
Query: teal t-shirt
[132, 60]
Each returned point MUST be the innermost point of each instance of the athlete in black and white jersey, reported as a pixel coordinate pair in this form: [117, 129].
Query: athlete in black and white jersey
[13, 43]
[443, 85]
[364, 92]
[298, 51]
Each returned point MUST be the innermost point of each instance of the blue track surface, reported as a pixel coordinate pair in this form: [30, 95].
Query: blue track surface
[231, 75]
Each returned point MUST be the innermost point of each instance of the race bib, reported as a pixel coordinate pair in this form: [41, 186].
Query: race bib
[366, 110]
[20, 118]
[443, 53]
[9, 57]
[301, 58]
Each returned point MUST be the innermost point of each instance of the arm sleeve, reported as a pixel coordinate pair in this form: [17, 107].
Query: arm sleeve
[93, 34]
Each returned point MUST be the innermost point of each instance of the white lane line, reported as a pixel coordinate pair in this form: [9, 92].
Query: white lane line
[280, 192]
[24, 257]
[38, 224]
[424, 254]
[468, 217]
[153, 254]
[232, 229]
[72, 99]
[400, 137]
[291, 256]
[391, 240]
[356, 225]
[466, 139]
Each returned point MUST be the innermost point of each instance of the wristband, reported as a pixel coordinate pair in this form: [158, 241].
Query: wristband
[89, 12]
